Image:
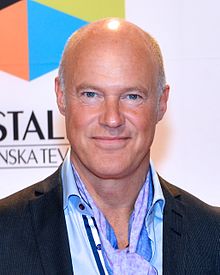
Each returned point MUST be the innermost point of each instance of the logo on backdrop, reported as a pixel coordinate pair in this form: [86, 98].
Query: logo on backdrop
[26, 142]
[32, 40]
[34, 32]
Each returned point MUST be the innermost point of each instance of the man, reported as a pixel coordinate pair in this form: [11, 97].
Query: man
[105, 210]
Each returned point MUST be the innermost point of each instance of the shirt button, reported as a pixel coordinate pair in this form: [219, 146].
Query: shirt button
[98, 246]
[81, 206]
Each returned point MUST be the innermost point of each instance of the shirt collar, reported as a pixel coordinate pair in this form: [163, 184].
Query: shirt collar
[158, 197]
[68, 180]
[71, 195]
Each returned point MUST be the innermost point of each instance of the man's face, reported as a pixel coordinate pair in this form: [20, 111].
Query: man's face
[111, 109]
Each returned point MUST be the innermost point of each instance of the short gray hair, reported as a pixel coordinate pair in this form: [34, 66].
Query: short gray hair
[154, 48]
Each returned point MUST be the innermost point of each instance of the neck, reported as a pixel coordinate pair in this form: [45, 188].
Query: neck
[116, 197]
[115, 193]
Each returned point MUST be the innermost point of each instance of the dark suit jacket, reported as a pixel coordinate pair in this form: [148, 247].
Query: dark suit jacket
[34, 241]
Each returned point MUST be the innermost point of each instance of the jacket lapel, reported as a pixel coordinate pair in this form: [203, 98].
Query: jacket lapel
[50, 227]
[52, 239]
[174, 231]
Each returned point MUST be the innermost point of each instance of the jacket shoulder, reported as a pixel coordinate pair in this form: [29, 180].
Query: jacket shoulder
[193, 207]
[21, 198]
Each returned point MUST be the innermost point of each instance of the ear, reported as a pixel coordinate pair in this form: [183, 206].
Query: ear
[60, 96]
[162, 104]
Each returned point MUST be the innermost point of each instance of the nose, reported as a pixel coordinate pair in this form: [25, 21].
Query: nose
[111, 115]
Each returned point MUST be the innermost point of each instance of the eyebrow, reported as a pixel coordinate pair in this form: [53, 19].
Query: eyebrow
[85, 86]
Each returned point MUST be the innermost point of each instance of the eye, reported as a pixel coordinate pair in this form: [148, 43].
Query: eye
[133, 96]
[89, 94]
[90, 97]
[133, 99]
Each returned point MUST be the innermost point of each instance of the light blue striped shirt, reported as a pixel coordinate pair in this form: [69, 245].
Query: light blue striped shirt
[82, 253]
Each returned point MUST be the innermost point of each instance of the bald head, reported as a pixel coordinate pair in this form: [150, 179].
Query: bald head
[111, 71]
[109, 35]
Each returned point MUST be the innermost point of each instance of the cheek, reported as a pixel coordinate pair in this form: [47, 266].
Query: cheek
[73, 122]
[145, 119]
[78, 119]
[146, 130]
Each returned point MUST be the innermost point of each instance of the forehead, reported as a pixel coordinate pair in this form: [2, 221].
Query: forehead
[109, 56]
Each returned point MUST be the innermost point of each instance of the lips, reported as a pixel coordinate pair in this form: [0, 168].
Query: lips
[110, 142]
[110, 138]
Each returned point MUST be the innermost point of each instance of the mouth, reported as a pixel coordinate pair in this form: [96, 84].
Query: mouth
[111, 142]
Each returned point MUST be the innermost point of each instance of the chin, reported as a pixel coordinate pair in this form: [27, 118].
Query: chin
[111, 172]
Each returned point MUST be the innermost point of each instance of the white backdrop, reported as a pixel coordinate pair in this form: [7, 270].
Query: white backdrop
[186, 147]
[186, 150]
